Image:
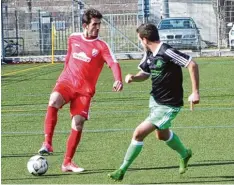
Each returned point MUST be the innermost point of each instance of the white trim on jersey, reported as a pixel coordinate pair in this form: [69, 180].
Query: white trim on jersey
[177, 57]
[88, 40]
[91, 40]
[157, 49]
[189, 60]
[112, 55]
[76, 33]
[82, 36]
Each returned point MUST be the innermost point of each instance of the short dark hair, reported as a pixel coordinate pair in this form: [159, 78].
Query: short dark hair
[148, 31]
[89, 14]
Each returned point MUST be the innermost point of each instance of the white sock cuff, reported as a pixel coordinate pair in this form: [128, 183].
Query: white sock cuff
[134, 142]
[171, 136]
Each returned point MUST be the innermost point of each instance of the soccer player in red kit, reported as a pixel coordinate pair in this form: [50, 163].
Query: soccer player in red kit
[85, 59]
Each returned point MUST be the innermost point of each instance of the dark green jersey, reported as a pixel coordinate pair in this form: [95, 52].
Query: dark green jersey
[164, 66]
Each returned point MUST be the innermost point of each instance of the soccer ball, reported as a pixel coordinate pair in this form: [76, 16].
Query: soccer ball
[37, 165]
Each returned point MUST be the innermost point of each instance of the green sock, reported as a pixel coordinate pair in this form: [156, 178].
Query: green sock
[133, 150]
[175, 144]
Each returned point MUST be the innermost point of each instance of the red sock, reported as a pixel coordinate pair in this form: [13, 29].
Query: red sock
[50, 122]
[72, 143]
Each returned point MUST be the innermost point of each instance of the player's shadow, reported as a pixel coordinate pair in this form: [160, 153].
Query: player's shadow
[207, 179]
[204, 163]
[188, 180]
[222, 177]
[213, 163]
[199, 179]
[24, 155]
[27, 155]
[203, 179]
[36, 177]
[192, 182]
[218, 163]
[60, 175]
[220, 95]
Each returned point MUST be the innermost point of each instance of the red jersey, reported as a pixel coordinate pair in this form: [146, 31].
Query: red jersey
[84, 62]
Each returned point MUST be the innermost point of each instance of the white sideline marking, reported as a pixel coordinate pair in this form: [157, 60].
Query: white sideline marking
[96, 112]
[23, 70]
[124, 92]
[118, 130]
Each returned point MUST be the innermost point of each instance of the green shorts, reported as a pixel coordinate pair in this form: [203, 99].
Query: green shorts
[161, 115]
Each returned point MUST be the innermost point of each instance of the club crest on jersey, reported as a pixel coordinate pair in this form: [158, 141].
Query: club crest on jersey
[81, 56]
[159, 63]
[94, 52]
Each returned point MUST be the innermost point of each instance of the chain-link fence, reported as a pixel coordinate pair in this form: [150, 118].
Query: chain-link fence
[27, 24]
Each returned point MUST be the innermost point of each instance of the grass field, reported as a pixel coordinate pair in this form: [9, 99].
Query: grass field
[209, 130]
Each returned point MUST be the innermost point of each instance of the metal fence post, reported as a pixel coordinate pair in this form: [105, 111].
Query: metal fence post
[73, 24]
[39, 26]
[112, 33]
[219, 28]
[2, 33]
[165, 9]
[16, 31]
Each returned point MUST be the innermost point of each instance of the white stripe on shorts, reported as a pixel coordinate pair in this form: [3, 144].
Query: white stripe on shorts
[165, 118]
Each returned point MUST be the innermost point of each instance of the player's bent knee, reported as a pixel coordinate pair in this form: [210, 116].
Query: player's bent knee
[163, 135]
[56, 100]
[162, 138]
[78, 122]
[138, 136]
[53, 103]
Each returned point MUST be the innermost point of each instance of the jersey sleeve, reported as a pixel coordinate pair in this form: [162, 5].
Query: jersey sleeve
[111, 61]
[143, 66]
[177, 57]
[68, 51]
[107, 55]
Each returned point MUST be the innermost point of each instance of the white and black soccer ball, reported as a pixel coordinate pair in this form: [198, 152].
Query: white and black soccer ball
[37, 165]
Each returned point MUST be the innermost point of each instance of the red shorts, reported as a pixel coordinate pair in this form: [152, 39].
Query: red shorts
[79, 104]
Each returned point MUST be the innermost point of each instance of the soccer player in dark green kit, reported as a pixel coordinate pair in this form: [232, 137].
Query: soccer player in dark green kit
[164, 64]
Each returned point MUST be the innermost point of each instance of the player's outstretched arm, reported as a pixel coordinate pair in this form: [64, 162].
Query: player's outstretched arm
[117, 86]
[116, 70]
[115, 67]
[194, 98]
[139, 77]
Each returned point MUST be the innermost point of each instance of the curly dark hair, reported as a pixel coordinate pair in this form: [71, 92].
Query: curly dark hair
[89, 14]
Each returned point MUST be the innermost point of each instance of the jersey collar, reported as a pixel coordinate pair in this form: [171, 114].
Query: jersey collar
[157, 49]
[89, 40]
